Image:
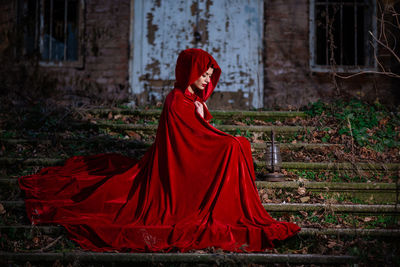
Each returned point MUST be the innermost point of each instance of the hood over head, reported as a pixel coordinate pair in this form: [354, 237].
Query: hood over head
[191, 64]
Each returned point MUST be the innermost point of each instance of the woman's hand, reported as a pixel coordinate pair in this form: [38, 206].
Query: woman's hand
[199, 108]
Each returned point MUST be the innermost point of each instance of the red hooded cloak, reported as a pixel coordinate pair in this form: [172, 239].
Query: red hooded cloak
[194, 188]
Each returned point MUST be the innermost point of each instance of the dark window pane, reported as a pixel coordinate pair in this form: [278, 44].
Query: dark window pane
[345, 32]
[58, 36]
[30, 27]
[72, 30]
[336, 32]
[320, 24]
[360, 36]
[348, 35]
[46, 30]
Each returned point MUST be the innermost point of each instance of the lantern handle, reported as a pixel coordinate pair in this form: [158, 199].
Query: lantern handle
[273, 150]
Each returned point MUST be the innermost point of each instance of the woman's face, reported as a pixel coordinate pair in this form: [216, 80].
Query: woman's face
[204, 79]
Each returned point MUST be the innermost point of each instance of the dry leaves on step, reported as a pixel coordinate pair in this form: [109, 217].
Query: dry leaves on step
[304, 213]
[304, 199]
[2, 209]
[301, 190]
[134, 135]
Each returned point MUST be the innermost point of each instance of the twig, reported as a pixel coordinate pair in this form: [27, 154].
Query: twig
[49, 245]
[388, 73]
[352, 141]
[385, 46]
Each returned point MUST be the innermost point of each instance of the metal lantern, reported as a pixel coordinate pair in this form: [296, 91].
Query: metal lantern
[274, 161]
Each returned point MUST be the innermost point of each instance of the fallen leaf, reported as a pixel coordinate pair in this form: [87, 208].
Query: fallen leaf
[134, 135]
[301, 190]
[368, 219]
[2, 210]
[35, 240]
[239, 123]
[331, 244]
[304, 199]
[304, 213]
[260, 122]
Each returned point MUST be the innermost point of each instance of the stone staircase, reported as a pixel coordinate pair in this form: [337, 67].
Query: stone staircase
[347, 212]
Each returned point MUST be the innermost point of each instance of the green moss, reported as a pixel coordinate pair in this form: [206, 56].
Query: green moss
[371, 125]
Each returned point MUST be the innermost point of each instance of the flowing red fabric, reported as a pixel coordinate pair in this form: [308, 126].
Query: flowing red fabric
[194, 188]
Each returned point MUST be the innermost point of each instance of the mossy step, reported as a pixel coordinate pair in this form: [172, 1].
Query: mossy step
[259, 164]
[305, 232]
[317, 186]
[339, 208]
[336, 166]
[225, 128]
[331, 186]
[372, 193]
[139, 144]
[173, 258]
[217, 114]
[293, 207]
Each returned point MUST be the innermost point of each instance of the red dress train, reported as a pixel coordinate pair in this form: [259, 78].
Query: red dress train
[194, 188]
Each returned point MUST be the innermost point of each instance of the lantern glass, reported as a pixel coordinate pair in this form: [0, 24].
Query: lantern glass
[273, 157]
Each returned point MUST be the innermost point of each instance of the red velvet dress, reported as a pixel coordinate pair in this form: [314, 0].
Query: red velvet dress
[194, 188]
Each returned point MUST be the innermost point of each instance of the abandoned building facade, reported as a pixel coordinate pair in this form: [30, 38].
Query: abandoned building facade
[273, 53]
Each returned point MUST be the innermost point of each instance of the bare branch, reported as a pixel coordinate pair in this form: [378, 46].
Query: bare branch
[387, 73]
[385, 46]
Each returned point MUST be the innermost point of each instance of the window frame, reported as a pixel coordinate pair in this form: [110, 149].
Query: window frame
[39, 37]
[339, 68]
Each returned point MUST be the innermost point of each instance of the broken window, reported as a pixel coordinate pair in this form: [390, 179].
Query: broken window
[339, 34]
[52, 29]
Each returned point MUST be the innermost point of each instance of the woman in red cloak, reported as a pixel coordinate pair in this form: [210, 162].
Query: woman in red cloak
[194, 188]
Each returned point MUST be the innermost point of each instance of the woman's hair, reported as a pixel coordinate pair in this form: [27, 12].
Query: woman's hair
[210, 65]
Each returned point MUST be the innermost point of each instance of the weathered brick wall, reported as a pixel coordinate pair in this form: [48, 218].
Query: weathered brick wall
[289, 82]
[6, 24]
[104, 74]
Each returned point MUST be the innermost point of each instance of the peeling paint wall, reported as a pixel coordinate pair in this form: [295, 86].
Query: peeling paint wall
[230, 30]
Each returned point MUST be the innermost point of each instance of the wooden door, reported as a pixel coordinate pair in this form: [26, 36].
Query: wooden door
[230, 30]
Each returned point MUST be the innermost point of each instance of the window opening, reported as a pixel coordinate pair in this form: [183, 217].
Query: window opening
[339, 33]
[52, 27]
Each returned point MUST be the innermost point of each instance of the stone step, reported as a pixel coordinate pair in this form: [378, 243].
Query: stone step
[305, 232]
[259, 164]
[59, 147]
[274, 208]
[336, 166]
[139, 144]
[306, 237]
[374, 193]
[151, 128]
[213, 259]
[217, 114]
